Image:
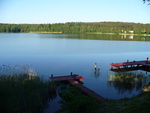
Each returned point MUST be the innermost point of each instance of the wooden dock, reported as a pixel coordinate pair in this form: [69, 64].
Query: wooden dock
[145, 63]
[75, 80]
[143, 68]
[87, 91]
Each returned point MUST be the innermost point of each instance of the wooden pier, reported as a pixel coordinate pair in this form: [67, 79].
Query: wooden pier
[145, 63]
[69, 78]
[75, 80]
[129, 66]
[87, 91]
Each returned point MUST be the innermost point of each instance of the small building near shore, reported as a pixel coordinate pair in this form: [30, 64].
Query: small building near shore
[131, 31]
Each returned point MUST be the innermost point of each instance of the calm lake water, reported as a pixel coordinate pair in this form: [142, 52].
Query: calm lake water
[60, 54]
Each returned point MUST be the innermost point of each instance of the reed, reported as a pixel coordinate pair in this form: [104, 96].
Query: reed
[24, 93]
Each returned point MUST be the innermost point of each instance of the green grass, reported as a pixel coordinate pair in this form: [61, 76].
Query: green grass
[137, 104]
[21, 94]
[73, 101]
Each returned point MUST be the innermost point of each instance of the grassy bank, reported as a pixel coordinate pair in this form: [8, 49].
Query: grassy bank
[96, 33]
[137, 104]
[43, 32]
[120, 34]
[73, 101]
[134, 34]
[24, 94]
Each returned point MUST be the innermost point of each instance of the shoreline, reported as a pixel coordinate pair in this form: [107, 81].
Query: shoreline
[122, 34]
[43, 32]
[95, 33]
[131, 34]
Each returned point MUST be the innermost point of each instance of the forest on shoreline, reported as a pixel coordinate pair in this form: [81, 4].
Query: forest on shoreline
[78, 27]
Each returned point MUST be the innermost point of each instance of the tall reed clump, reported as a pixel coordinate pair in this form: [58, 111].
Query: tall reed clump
[22, 94]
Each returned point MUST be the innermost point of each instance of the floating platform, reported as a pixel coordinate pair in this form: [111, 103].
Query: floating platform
[145, 63]
[75, 80]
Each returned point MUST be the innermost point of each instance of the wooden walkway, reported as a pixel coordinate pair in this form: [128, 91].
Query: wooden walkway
[87, 91]
[75, 80]
[145, 63]
[67, 78]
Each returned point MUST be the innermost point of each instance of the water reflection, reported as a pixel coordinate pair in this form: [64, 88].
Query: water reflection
[128, 81]
[124, 37]
[97, 72]
[99, 36]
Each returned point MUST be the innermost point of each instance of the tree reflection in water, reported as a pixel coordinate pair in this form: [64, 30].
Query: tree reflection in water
[128, 81]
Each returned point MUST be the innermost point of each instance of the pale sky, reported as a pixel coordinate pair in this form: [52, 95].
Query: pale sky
[61, 11]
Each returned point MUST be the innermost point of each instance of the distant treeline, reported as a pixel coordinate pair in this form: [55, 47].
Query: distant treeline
[79, 27]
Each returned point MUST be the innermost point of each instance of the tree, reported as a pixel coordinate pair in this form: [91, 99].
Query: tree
[146, 1]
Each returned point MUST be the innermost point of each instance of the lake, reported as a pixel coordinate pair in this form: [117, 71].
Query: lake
[60, 54]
